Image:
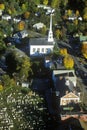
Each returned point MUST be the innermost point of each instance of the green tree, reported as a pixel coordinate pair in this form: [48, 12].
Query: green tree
[2, 46]
[45, 2]
[55, 3]
[23, 68]
[6, 81]
[43, 30]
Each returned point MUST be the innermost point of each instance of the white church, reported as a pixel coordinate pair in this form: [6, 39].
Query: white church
[42, 46]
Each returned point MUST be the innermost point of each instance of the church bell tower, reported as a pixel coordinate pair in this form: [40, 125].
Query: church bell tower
[50, 33]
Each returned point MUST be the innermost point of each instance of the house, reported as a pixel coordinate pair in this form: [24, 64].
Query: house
[40, 46]
[21, 34]
[38, 25]
[83, 38]
[6, 17]
[66, 91]
[68, 98]
[23, 84]
[68, 74]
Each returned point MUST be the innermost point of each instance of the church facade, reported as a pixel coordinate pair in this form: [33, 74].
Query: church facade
[42, 46]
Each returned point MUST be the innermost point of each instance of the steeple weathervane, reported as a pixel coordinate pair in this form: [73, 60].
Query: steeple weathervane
[50, 34]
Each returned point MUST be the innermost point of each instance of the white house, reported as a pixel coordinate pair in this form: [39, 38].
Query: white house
[21, 34]
[38, 25]
[6, 17]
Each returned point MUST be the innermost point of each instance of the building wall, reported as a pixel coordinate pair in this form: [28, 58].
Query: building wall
[41, 49]
[65, 101]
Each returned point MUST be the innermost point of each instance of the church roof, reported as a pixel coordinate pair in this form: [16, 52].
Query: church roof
[40, 41]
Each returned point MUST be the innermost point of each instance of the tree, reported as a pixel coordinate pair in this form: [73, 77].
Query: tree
[68, 62]
[69, 12]
[1, 87]
[76, 22]
[19, 64]
[77, 13]
[23, 68]
[2, 6]
[43, 30]
[84, 49]
[2, 45]
[55, 3]
[45, 2]
[85, 13]
[21, 25]
[58, 34]
[6, 81]
[63, 52]
[26, 14]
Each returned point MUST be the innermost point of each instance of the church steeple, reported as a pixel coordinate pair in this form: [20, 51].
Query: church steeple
[50, 33]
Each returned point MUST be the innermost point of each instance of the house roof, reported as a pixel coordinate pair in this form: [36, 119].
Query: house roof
[38, 25]
[70, 95]
[40, 42]
[58, 72]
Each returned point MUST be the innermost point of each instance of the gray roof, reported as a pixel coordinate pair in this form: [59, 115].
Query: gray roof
[40, 41]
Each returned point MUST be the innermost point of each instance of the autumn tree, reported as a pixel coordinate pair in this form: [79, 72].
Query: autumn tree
[77, 13]
[2, 6]
[26, 14]
[23, 68]
[84, 49]
[58, 33]
[55, 3]
[19, 64]
[45, 2]
[1, 87]
[69, 12]
[68, 62]
[75, 22]
[63, 52]
[21, 25]
[85, 14]
[7, 81]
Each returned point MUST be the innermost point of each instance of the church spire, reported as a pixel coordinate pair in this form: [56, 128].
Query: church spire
[50, 34]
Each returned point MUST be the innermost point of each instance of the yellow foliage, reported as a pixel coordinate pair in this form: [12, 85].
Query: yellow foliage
[77, 12]
[68, 62]
[69, 12]
[76, 21]
[84, 49]
[26, 14]
[23, 6]
[85, 16]
[2, 6]
[58, 33]
[63, 51]
[1, 87]
[9, 11]
[45, 2]
[21, 25]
